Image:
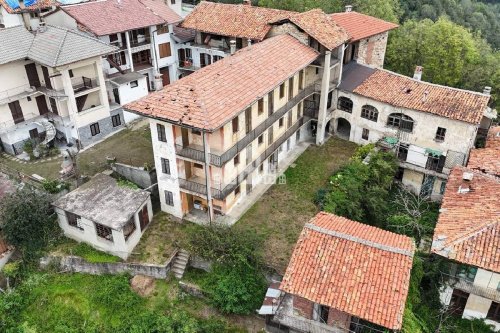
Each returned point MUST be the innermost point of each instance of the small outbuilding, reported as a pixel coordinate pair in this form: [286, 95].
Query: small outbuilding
[106, 215]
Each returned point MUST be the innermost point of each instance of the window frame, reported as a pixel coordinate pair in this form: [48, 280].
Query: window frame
[369, 112]
[116, 120]
[169, 198]
[343, 104]
[494, 311]
[134, 84]
[398, 121]
[260, 106]
[281, 122]
[282, 90]
[440, 137]
[128, 233]
[161, 134]
[236, 160]
[104, 232]
[165, 166]
[365, 134]
[235, 123]
[73, 220]
[260, 139]
[94, 129]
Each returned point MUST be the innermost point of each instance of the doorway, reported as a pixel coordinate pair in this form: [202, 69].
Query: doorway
[343, 128]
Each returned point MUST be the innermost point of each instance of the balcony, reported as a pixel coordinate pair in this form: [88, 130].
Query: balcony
[187, 65]
[24, 91]
[219, 160]
[82, 84]
[461, 283]
[140, 41]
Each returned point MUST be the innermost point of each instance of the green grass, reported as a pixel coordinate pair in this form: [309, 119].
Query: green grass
[46, 169]
[87, 252]
[279, 215]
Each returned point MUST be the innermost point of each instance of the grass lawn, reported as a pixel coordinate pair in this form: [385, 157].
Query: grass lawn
[69, 247]
[129, 146]
[47, 169]
[279, 215]
[89, 303]
[161, 238]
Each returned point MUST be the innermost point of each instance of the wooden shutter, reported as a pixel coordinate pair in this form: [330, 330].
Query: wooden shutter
[16, 111]
[165, 50]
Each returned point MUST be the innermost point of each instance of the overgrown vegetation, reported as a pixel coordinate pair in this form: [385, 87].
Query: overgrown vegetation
[87, 252]
[54, 186]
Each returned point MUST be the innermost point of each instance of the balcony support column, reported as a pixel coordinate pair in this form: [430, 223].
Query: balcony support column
[323, 100]
[129, 50]
[101, 82]
[208, 181]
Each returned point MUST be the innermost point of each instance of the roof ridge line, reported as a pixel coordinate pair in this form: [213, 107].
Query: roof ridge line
[63, 40]
[359, 240]
[476, 232]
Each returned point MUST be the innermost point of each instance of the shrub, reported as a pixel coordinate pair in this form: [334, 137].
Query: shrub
[54, 186]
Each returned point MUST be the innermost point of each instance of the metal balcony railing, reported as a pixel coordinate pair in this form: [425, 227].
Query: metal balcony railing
[222, 192]
[219, 160]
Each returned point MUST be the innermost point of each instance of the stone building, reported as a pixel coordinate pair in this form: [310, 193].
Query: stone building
[53, 88]
[105, 215]
[344, 275]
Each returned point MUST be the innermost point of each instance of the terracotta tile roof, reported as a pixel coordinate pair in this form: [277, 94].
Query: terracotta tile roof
[487, 159]
[213, 95]
[40, 4]
[240, 21]
[493, 138]
[108, 17]
[361, 26]
[321, 27]
[352, 267]
[402, 91]
[468, 228]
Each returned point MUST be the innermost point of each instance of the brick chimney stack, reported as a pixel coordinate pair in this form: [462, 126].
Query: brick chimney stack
[348, 8]
[418, 73]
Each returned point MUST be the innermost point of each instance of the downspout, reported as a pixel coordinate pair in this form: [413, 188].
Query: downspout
[206, 150]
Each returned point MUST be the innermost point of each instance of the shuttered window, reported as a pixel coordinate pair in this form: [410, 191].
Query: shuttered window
[169, 198]
[165, 50]
[16, 111]
[161, 133]
[165, 166]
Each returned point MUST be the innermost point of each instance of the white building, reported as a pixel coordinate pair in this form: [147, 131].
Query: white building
[105, 215]
[141, 30]
[467, 233]
[53, 88]
[27, 13]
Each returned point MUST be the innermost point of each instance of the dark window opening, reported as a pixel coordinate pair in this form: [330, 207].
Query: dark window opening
[169, 198]
[365, 134]
[236, 160]
[282, 90]
[369, 112]
[345, 104]
[198, 165]
[94, 129]
[165, 166]
[161, 133]
[329, 100]
[235, 124]
[435, 163]
[400, 121]
[104, 232]
[237, 190]
[134, 84]
[74, 220]
[129, 228]
[494, 312]
[458, 301]
[280, 122]
[260, 139]
[403, 152]
[440, 134]
[116, 120]
[261, 106]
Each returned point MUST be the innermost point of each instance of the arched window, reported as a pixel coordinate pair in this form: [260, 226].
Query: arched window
[369, 112]
[400, 121]
[344, 104]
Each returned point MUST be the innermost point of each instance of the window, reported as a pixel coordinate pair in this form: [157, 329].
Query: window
[403, 151]
[161, 29]
[116, 120]
[494, 311]
[74, 220]
[400, 121]
[290, 88]
[442, 188]
[297, 136]
[236, 160]
[198, 165]
[70, 73]
[129, 228]
[440, 134]
[134, 84]
[94, 129]
[458, 301]
[165, 166]
[16, 111]
[237, 190]
[261, 168]
[365, 134]
[344, 104]
[301, 79]
[281, 121]
[282, 90]
[235, 125]
[165, 50]
[300, 107]
[369, 112]
[329, 100]
[217, 58]
[34, 133]
[172, 2]
[196, 132]
[289, 123]
[104, 232]
[161, 133]
[260, 139]
[467, 272]
[261, 106]
[169, 198]
[53, 105]
[435, 163]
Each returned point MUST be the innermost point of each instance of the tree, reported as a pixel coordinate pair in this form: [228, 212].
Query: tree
[28, 222]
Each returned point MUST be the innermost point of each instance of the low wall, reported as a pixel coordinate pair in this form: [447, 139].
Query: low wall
[139, 176]
[80, 265]
[199, 263]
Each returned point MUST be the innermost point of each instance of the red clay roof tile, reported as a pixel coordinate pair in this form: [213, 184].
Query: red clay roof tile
[352, 267]
[360, 26]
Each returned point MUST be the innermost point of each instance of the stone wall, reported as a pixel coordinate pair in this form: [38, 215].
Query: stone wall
[143, 178]
[288, 28]
[303, 306]
[371, 51]
[80, 265]
[339, 319]
[105, 128]
[200, 263]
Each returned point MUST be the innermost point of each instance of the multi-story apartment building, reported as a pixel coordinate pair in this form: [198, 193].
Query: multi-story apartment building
[325, 290]
[27, 13]
[468, 234]
[141, 30]
[221, 29]
[228, 125]
[53, 88]
[432, 128]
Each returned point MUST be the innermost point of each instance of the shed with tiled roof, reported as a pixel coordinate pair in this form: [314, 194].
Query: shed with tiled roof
[352, 267]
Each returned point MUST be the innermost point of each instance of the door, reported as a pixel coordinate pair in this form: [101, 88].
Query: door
[148, 83]
[34, 134]
[182, 56]
[116, 95]
[166, 76]
[32, 73]
[427, 185]
[16, 111]
[248, 120]
[144, 217]
[41, 102]
[46, 77]
[185, 137]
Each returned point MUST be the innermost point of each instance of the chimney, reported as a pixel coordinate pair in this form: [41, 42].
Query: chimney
[247, 2]
[232, 46]
[418, 73]
[487, 90]
[249, 41]
[466, 179]
[348, 8]
[41, 27]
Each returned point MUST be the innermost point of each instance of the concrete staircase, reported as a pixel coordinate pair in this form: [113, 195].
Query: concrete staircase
[180, 263]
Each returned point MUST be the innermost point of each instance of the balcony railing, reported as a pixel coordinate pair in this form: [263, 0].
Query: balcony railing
[188, 65]
[468, 286]
[140, 41]
[222, 192]
[219, 160]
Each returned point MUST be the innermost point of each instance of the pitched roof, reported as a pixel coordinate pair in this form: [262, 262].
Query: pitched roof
[361, 26]
[215, 94]
[20, 8]
[103, 201]
[406, 92]
[352, 267]
[105, 17]
[493, 138]
[487, 159]
[319, 26]
[242, 21]
[55, 46]
[468, 228]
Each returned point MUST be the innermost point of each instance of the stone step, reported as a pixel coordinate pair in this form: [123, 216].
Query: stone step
[183, 260]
